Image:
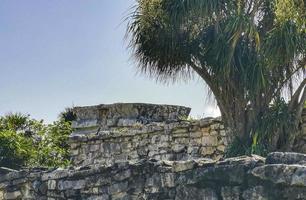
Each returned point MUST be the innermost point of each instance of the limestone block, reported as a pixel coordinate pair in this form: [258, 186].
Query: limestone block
[221, 148]
[192, 150]
[209, 140]
[12, 195]
[205, 131]
[206, 151]
[167, 180]
[177, 148]
[196, 141]
[164, 138]
[205, 122]
[215, 126]
[181, 140]
[115, 148]
[214, 133]
[196, 134]
[179, 131]
[222, 133]
[74, 152]
[51, 184]
[77, 184]
[153, 153]
[126, 147]
[179, 166]
[94, 147]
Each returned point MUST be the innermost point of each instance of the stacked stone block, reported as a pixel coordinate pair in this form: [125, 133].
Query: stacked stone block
[132, 137]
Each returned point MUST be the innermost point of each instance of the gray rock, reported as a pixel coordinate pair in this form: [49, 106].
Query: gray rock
[286, 158]
[184, 193]
[289, 175]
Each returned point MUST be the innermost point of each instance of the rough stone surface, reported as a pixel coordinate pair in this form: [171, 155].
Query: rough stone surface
[235, 178]
[125, 114]
[141, 131]
[144, 151]
[286, 158]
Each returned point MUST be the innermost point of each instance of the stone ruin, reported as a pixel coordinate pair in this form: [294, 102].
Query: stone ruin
[107, 134]
[147, 151]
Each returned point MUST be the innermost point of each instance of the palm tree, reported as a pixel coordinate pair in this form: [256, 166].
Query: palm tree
[250, 53]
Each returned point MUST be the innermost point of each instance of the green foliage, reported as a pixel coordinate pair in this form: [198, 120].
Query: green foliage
[67, 115]
[15, 150]
[249, 53]
[26, 142]
[271, 133]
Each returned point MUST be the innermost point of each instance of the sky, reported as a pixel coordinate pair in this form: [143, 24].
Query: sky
[63, 53]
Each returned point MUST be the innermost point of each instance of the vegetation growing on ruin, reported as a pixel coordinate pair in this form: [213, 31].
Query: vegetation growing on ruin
[26, 142]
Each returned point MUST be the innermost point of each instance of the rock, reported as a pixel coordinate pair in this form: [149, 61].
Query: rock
[254, 193]
[51, 184]
[127, 114]
[179, 166]
[289, 175]
[210, 140]
[77, 184]
[177, 148]
[207, 151]
[118, 187]
[230, 193]
[286, 158]
[184, 193]
[12, 195]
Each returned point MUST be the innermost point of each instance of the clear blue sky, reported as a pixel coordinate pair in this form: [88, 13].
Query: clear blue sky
[59, 53]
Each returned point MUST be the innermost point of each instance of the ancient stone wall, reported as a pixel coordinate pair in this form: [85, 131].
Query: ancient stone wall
[280, 176]
[125, 133]
[146, 151]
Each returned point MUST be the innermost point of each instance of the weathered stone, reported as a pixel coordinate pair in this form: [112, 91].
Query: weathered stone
[118, 187]
[179, 166]
[254, 193]
[167, 180]
[230, 193]
[178, 148]
[118, 155]
[221, 148]
[286, 158]
[210, 141]
[290, 175]
[51, 184]
[78, 184]
[12, 195]
[143, 112]
[195, 193]
[206, 151]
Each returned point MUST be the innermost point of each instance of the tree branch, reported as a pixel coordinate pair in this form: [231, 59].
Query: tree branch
[295, 98]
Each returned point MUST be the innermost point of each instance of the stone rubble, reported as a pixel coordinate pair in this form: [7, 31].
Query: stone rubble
[146, 151]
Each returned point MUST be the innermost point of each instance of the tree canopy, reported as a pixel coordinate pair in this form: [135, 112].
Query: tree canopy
[251, 53]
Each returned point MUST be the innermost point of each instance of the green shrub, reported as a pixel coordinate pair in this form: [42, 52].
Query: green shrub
[26, 142]
[272, 132]
[15, 150]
